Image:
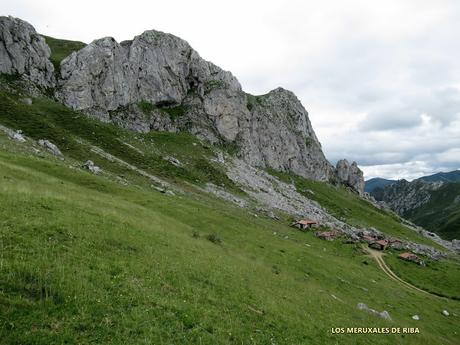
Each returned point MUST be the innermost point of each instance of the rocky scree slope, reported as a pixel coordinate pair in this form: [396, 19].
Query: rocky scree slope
[158, 82]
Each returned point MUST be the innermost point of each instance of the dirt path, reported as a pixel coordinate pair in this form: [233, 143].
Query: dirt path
[378, 256]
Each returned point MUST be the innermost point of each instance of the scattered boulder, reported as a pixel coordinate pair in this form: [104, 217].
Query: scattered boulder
[445, 313]
[17, 136]
[92, 167]
[27, 101]
[173, 161]
[50, 147]
[415, 317]
[384, 314]
[122, 181]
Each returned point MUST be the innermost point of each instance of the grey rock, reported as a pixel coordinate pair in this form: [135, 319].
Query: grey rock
[107, 80]
[445, 313]
[350, 175]
[27, 101]
[178, 90]
[384, 314]
[362, 306]
[122, 181]
[18, 136]
[50, 147]
[89, 165]
[173, 161]
[24, 52]
[415, 317]
[277, 134]
[13, 135]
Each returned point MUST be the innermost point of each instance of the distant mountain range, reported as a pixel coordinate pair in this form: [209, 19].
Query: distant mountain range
[432, 202]
[378, 182]
[453, 176]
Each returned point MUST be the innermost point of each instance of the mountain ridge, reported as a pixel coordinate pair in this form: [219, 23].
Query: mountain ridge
[138, 84]
[432, 202]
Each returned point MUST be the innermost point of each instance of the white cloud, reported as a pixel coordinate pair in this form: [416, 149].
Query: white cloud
[379, 79]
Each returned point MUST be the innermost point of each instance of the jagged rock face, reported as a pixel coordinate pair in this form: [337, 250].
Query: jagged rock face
[110, 81]
[24, 52]
[272, 130]
[350, 175]
[280, 136]
[154, 67]
[404, 196]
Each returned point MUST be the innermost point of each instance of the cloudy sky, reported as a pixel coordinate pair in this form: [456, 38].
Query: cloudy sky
[380, 79]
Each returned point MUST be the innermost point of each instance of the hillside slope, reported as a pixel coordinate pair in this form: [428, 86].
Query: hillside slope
[433, 205]
[90, 260]
[176, 239]
[114, 258]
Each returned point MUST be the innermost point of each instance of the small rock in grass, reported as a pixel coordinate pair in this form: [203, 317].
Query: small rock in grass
[17, 136]
[362, 306]
[385, 315]
[92, 167]
[416, 317]
[50, 147]
[445, 313]
[27, 101]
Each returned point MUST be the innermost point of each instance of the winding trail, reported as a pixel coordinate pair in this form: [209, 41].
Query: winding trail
[378, 256]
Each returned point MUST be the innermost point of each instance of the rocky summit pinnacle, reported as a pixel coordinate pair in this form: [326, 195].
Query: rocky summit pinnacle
[158, 82]
[24, 52]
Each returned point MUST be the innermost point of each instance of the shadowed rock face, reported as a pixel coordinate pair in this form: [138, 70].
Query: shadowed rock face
[24, 52]
[350, 175]
[158, 82]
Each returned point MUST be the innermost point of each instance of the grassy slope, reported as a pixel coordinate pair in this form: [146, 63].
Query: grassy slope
[66, 128]
[349, 208]
[83, 259]
[86, 260]
[60, 49]
[432, 277]
[441, 214]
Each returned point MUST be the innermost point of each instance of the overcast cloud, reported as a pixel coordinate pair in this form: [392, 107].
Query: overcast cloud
[381, 80]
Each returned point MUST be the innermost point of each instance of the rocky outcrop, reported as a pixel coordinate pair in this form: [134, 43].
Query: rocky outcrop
[90, 166]
[158, 82]
[350, 175]
[48, 145]
[24, 52]
[280, 136]
[108, 80]
[154, 67]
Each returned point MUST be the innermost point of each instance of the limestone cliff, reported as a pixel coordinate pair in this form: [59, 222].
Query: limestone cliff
[158, 82]
[24, 52]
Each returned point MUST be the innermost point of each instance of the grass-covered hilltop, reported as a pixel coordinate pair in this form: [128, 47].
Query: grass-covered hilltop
[161, 217]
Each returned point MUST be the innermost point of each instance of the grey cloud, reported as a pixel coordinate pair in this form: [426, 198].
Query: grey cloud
[391, 120]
